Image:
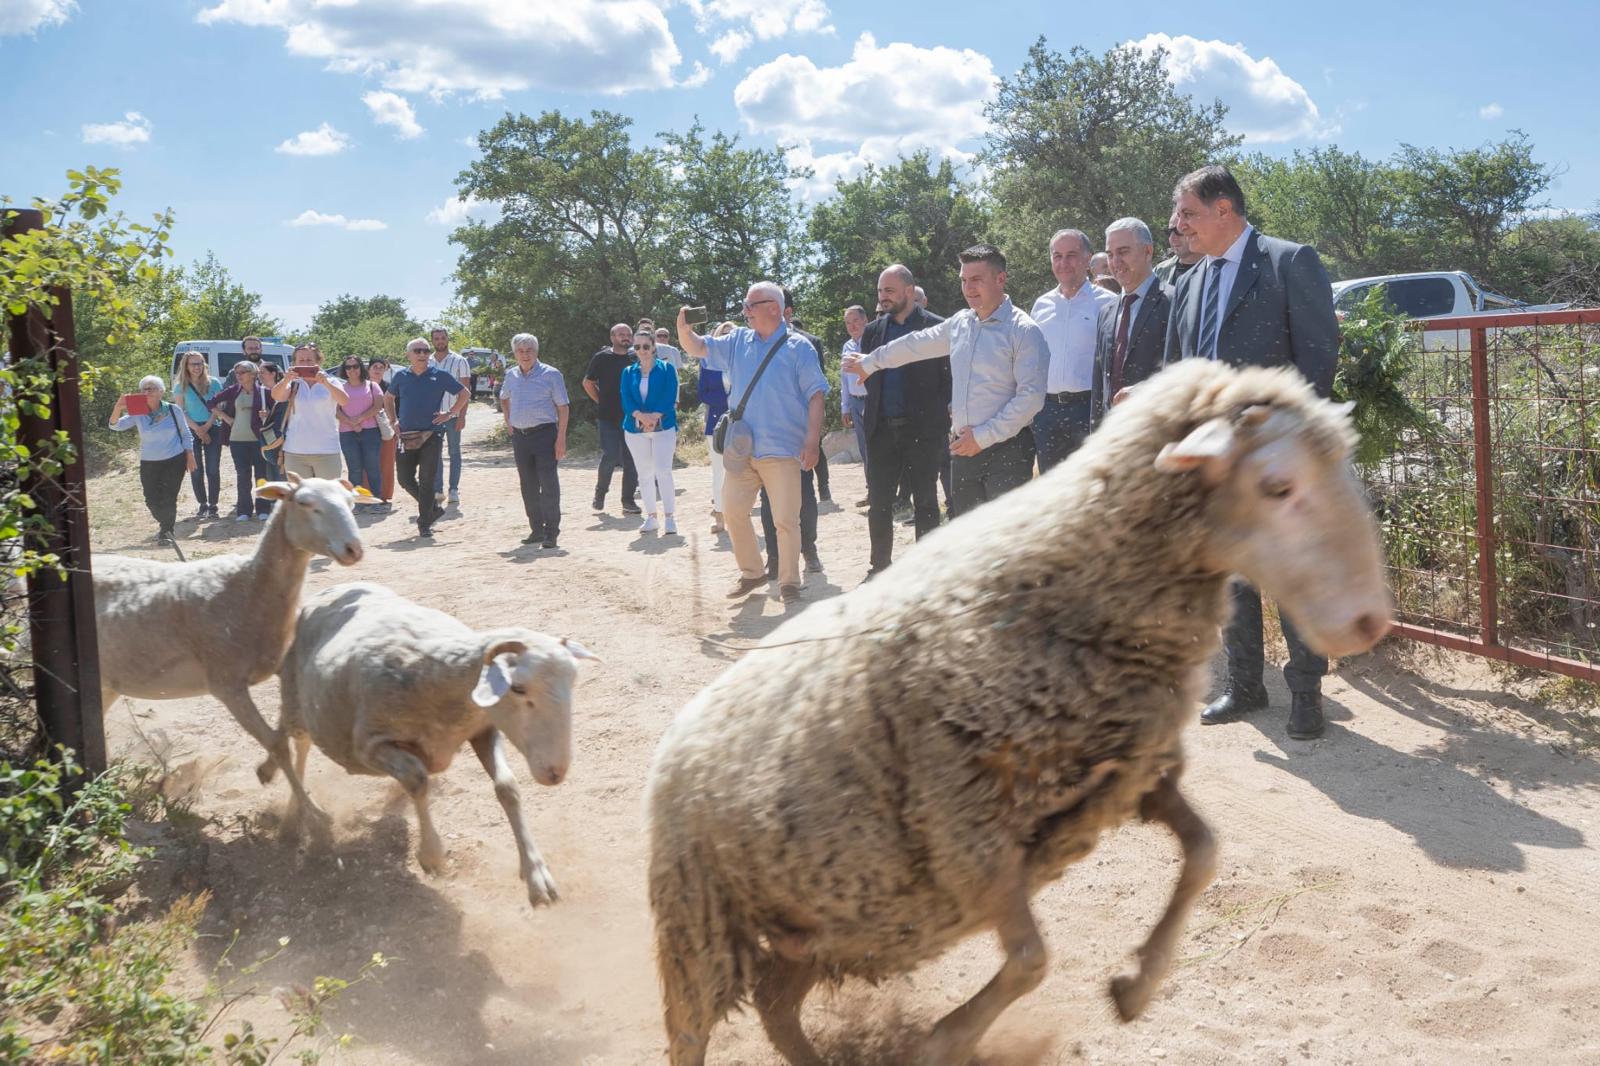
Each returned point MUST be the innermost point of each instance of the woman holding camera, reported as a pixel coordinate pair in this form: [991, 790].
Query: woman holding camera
[243, 410]
[165, 452]
[649, 419]
[311, 426]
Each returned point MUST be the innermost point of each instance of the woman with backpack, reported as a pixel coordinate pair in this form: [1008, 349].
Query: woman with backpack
[165, 452]
[195, 387]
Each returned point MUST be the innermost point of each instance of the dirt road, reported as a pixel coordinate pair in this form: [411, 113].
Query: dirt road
[1419, 886]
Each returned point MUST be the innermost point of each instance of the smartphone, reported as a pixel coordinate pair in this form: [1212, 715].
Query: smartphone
[307, 372]
[136, 403]
[695, 316]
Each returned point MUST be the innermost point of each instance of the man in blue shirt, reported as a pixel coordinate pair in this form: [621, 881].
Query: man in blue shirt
[414, 399]
[784, 412]
[534, 399]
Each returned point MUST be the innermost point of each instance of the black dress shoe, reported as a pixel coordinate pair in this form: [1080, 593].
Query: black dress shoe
[550, 545]
[1305, 715]
[1233, 706]
[533, 538]
[813, 563]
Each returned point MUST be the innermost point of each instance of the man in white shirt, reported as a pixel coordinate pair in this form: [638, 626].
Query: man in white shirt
[853, 390]
[1069, 315]
[456, 365]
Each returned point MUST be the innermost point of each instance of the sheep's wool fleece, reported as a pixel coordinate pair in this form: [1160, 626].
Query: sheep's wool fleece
[1017, 681]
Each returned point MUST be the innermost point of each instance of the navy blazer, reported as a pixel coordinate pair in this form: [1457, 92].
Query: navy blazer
[1279, 313]
[1147, 344]
[927, 381]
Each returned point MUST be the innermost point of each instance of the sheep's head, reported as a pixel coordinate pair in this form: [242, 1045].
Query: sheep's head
[526, 688]
[316, 515]
[1285, 511]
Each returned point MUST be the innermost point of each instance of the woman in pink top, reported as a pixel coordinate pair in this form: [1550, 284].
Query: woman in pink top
[359, 438]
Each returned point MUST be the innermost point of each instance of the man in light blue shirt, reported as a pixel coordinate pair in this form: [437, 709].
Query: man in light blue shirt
[998, 361]
[534, 400]
[784, 412]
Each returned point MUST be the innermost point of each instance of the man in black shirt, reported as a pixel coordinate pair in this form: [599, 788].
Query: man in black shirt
[907, 417]
[603, 382]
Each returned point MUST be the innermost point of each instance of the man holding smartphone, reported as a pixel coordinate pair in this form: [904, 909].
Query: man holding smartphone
[413, 401]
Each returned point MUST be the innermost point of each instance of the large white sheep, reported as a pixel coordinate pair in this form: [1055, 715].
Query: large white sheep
[385, 686]
[220, 625]
[904, 766]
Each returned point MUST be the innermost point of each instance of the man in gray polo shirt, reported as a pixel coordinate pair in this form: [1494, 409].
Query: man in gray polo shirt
[534, 400]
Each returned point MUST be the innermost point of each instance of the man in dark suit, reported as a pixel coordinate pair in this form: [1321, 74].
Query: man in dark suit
[1132, 333]
[1253, 300]
[907, 417]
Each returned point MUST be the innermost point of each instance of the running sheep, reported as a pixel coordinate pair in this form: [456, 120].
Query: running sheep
[220, 625]
[385, 686]
[905, 766]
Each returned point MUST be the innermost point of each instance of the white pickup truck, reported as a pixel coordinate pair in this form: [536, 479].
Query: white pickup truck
[1433, 294]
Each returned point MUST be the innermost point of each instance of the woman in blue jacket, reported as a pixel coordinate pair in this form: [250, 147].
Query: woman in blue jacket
[650, 422]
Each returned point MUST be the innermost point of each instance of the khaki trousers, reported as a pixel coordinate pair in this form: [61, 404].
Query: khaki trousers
[781, 479]
[330, 466]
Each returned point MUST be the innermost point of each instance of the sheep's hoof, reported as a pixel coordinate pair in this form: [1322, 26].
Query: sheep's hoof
[267, 771]
[1131, 994]
[541, 886]
[432, 862]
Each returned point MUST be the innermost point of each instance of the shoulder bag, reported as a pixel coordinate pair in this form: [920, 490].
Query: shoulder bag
[734, 440]
[385, 427]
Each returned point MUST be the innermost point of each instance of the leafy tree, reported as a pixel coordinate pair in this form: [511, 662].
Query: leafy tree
[345, 311]
[1081, 140]
[1458, 206]
[1343, 204]
[223, 309]
[366, 327]
[1552, 259]
[732, 219]
[914, 213]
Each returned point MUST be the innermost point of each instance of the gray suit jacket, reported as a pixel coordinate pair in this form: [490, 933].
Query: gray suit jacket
[1147, 341]
[1279, 313]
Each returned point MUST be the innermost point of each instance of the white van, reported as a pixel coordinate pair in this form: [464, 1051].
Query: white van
[221, 355]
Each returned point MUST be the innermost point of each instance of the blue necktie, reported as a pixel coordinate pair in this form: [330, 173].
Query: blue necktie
[1209, 317]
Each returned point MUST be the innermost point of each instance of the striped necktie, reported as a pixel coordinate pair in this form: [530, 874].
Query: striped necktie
[1209, 316]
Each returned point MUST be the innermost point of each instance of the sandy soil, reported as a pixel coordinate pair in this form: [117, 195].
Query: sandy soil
[1419, 886]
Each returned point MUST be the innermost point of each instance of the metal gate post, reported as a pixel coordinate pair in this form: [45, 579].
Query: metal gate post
[66, 649]
[1483, 471]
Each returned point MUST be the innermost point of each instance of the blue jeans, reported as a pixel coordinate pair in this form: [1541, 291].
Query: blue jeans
[857, 406]
[1060, 427]
[453, 437]
[362, 448]
[206, 477]
[612, 452]
[249, 463]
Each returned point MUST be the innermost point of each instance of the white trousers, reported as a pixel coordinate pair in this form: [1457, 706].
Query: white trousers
[717, 474]
[652, 457]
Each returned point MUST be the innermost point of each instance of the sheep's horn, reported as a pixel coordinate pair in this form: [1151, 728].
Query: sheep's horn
[503, 647]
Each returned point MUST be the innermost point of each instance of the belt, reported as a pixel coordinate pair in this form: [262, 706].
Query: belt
[1065, 397]
[897, 421]
[530, 429]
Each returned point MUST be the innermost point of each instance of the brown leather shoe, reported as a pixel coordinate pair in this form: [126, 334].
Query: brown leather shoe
[746, 586]
[789, 593]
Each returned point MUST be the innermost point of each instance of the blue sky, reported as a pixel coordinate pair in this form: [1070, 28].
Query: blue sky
[313, 144]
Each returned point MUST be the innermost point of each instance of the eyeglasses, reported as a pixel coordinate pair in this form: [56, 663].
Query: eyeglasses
[351, 366]
[419, 351]
[644, 347]
[749, 306]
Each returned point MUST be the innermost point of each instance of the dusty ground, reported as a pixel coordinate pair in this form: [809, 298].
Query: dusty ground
[1419, 886]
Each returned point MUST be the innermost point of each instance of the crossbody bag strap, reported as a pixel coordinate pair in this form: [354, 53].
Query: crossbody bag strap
[737, 413]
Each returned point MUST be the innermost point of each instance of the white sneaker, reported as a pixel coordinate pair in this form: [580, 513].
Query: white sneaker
[671, 526]
[241, 518]
[650, 525]
[455, 497]
[261, 517]
[438, 497]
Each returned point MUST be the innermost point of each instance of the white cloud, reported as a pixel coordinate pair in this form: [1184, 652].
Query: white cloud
[309, 217]
[932, 97]
[829, 168]
[324, 140]
[483, 47]
[133, 129]
[697, 77]
[455, 211]
[392, 109]
[1264, 103]
[1491, 111]
[730, 44]
[28, 16]
[766, 19]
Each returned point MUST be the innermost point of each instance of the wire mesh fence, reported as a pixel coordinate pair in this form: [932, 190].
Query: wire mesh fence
[1491, 515]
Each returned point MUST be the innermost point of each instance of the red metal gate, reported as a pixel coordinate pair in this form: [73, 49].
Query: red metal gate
[1491, 517]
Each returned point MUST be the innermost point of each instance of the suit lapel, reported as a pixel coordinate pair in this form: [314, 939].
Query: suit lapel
[1192, 295]
[1142, 319]
[1245, 279]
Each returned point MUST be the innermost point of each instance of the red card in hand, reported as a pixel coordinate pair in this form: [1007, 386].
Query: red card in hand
[137, 403]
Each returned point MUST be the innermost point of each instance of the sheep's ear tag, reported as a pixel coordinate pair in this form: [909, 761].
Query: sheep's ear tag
[1210, 442]
[493, 683]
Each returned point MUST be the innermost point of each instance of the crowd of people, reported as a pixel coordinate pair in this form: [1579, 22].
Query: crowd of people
[980, 401]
